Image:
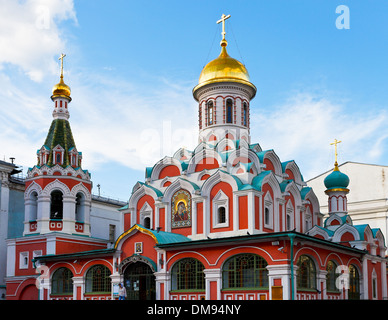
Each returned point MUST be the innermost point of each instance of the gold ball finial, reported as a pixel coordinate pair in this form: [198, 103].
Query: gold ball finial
[61, 89]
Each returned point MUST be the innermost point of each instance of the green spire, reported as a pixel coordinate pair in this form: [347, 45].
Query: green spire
[60, 134]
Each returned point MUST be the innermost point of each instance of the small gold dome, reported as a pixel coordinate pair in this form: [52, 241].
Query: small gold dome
[61, 89]
[224, 69]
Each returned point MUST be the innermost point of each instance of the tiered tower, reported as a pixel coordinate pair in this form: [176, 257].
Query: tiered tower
[58, 190]
[336, 184]
[224, 92]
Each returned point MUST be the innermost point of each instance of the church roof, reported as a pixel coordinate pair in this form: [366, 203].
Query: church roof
[160, 237]
[60, 134]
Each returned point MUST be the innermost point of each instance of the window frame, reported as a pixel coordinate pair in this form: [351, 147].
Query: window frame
[55, 205]
[268, 208]
[24, 260]
[331, 276]
[306, 281]
[229, 110]
[232, 273]
[354, 291]
[245, 114]
[220, 200]
[210, 112]
[65, 282]
[188, 279]
[100, 284]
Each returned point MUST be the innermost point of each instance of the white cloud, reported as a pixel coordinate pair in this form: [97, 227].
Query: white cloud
[30, 36]
[137, 124]
[112, 120]
[134, 125]
[304, 126]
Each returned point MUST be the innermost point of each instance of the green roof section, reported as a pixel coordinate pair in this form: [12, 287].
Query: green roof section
[304, 192]
[158, 192]
[60, 134]
[160, 237]
[79, 254]
[257, 181]
[164, 237]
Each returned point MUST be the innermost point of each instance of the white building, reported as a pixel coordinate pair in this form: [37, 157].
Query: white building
[367, 200]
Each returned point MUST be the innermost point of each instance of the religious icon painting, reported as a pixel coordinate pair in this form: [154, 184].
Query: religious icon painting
[181, 209]
[138, 247]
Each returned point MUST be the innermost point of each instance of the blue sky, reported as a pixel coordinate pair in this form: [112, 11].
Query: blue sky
[132, 65]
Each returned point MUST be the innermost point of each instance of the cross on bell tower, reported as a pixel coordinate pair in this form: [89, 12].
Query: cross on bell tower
[222, 20]
[335, 143]
[61, 58]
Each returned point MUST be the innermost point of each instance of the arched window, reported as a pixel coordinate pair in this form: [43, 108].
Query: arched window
[354, 283]
[56, 205]
[187, 274]
[331, 276]
[58, 158]
[268, 211]
[245, 114]
[306, 274]
[79, 207]
[246, 271]
[147, 222]
[266, 216]
[61, 281]
[229, 111]
[98, 279]
[289, 216]
[33, 206]
[221, 215]
[210, 113]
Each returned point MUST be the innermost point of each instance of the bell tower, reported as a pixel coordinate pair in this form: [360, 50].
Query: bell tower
[224, 92]
[58, 190]
[336, 184]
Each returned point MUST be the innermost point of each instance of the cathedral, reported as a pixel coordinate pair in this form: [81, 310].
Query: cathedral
[225, 221]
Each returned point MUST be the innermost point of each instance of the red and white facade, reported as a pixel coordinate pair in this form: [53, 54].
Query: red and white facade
[227, 221]
[57, 202]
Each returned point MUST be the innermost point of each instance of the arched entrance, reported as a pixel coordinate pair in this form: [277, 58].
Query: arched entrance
[139, 280]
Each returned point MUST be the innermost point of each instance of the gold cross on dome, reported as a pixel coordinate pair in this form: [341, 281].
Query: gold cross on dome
[335, 146]
[223, 18]
[61, 58]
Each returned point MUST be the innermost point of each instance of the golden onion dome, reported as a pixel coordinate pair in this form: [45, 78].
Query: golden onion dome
[61, 89]
[224, 69]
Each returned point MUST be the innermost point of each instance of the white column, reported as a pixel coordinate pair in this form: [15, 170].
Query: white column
[364, 285]
[162, 278]
[251, 212]
[116, 279]
[282, 272]
[68, 219]
[235, 212]
[212, 275]
[78, 282]
[194, 216]
[321, 279]
[29, 206]
[45, 286]
[261, 212]
[87, 208]
[43, 214]
[11, 257]
[384, 279]
[206, 216]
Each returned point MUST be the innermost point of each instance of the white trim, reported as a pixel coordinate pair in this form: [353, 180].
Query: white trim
[221, 200]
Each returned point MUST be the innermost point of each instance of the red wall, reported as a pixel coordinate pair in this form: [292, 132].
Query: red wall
[169, 171]
[207, 163]
[243, 212]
